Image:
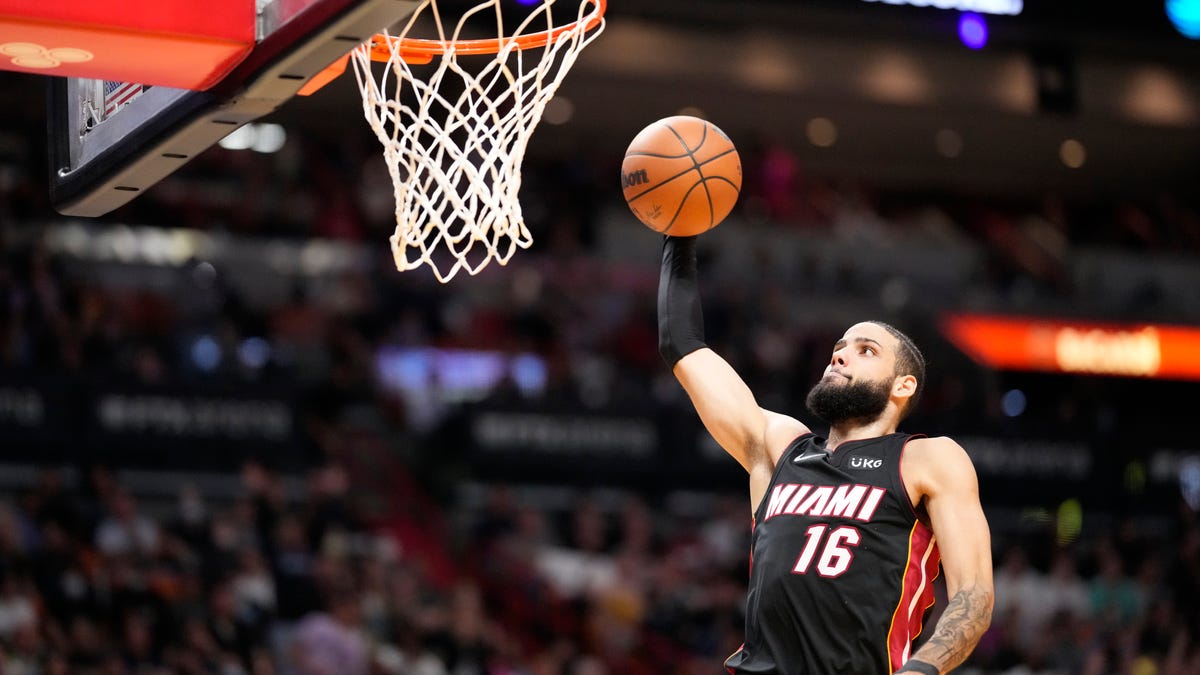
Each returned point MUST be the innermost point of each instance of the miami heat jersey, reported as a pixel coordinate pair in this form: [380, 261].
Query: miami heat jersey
[841, 568]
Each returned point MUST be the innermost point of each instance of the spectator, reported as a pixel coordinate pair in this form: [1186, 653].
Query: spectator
[125, 531]
[331, 643]
[1114, 598]
[1017, 588]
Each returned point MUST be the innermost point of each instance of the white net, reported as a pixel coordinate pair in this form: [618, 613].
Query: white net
[455, 130]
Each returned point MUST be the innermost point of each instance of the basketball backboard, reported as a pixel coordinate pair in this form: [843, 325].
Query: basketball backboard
[111, 139]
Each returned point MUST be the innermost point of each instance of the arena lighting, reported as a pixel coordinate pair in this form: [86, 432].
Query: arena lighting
[454, 375]
[1185, 16]
[254, 352]
[1189, 481]
[1091, 348]
[1013, 403]
[972, 30]
[1005, 7]
[1069, 522]
[206, 353]
[264, 138]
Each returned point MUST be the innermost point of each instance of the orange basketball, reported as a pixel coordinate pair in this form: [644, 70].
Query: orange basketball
[681, 176]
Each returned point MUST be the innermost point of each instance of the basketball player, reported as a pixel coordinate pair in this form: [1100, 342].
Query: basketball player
[848, 530]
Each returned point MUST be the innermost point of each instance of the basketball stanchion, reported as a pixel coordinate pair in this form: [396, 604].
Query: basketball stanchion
[455, 116]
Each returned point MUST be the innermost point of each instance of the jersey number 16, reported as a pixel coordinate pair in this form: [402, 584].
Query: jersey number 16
[835, 555]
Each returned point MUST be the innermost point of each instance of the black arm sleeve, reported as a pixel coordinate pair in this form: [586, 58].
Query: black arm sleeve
[680, 318]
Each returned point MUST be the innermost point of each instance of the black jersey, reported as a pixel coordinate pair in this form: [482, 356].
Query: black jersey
[841, 567]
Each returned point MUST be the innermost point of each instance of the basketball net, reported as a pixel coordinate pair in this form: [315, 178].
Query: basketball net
[454, 136]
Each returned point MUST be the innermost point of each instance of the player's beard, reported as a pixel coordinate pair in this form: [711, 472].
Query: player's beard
[858, 401]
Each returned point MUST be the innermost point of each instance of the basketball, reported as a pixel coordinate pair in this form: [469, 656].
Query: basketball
[681, 176]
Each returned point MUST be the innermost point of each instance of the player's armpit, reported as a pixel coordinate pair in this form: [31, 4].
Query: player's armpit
[781, 431]
[942, 474]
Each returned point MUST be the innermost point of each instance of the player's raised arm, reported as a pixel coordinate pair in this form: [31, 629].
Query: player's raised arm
[725, 404]
[943, 474]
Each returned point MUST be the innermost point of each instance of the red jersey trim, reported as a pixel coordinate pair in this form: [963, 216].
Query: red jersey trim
[916, 594]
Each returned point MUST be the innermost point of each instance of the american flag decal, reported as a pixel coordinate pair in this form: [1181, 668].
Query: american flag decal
[117, 94]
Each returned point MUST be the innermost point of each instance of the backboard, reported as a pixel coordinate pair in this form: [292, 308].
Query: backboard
[110, 140]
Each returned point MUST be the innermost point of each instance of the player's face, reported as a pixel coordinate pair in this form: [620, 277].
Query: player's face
[866, 352]
[857, 383]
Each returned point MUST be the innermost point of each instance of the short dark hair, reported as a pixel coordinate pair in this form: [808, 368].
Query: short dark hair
[909, 361]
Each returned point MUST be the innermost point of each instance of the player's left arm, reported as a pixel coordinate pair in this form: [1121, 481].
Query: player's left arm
[943, 476]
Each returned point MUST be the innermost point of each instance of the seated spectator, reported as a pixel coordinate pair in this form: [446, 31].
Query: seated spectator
[331, 643]
[125, 531]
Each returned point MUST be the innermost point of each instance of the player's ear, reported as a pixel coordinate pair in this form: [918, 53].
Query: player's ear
[904, 386]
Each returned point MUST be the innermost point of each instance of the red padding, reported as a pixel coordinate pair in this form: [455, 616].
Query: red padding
[186, 44]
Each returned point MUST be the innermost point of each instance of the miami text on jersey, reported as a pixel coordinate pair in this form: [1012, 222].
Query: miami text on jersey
[844, 501]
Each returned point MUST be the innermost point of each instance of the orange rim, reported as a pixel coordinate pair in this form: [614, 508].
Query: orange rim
[414, 50]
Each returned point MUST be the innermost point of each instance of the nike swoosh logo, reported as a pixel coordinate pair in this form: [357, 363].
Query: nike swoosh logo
[811, 458]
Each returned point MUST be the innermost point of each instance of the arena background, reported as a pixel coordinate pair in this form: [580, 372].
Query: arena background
[236, 440]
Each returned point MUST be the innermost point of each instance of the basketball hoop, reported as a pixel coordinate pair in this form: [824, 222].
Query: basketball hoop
[454, 137]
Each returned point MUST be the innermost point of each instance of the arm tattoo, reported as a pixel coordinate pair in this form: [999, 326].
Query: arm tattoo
[967, 616]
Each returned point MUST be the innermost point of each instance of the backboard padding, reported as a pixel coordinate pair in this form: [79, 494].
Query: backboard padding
[154, 135]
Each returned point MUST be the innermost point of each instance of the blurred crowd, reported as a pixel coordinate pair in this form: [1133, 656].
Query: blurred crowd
[293, 579]
[560, 300]
[332, 576]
